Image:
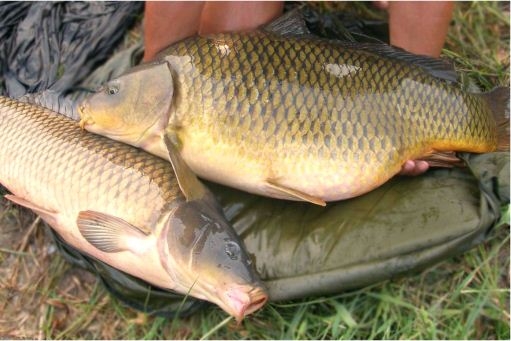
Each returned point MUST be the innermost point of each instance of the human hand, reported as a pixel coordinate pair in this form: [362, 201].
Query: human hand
[414, 167]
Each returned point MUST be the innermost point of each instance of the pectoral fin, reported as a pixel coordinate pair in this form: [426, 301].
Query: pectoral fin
[190, 185]
[293, 194]
[109, 233]
[47, 215]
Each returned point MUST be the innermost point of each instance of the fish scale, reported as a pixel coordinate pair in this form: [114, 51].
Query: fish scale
[48, 160]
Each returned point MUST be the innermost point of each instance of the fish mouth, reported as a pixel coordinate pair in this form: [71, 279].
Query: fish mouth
[240, 301]
[85, 119]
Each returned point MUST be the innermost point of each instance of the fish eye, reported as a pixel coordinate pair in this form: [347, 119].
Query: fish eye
[232, 250]
[112, 89]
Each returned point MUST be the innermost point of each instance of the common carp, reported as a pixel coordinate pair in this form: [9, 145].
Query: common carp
[292, 116]
[124, 207]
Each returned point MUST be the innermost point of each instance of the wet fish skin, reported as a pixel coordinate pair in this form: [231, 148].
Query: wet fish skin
[124, 207]
[296, 117]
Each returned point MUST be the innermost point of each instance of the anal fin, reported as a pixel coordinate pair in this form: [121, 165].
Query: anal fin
[293, 194]
[443, 159]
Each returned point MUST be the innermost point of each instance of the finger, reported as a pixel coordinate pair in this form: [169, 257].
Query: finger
[414, 167]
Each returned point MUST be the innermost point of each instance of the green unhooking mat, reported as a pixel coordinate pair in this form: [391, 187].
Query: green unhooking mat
[299, 249]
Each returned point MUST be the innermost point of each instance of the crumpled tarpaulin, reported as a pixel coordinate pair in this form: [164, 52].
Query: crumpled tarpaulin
[299, 249]
[57, 44]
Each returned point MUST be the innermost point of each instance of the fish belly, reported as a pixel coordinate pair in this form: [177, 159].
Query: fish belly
[251, 169]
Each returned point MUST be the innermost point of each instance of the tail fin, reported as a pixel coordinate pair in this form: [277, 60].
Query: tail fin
[498, 101]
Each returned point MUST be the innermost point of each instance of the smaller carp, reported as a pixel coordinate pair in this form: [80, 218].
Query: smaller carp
[124, 207]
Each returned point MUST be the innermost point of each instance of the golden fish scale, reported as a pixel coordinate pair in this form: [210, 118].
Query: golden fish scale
[87, 170]
[277, 98]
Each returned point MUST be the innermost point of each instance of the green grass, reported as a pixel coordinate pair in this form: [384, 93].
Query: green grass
[478, 42]
[466, 297]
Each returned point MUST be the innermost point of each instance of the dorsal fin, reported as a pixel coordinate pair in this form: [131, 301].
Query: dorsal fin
[290, 23]
[439, 68]
[345, 26]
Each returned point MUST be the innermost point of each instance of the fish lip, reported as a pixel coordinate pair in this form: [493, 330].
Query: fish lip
[242, 300]
[82, 107]
[237, 300]
[259, 297]
[85, 120]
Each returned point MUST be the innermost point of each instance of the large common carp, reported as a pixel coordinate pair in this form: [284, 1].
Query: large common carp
[294, 116]
[124, 207]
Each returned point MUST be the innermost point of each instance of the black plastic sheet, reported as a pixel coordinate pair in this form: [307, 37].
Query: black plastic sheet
[56, 44]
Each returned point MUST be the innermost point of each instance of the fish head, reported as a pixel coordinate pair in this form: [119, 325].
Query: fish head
[208, 259]
[131, 108]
